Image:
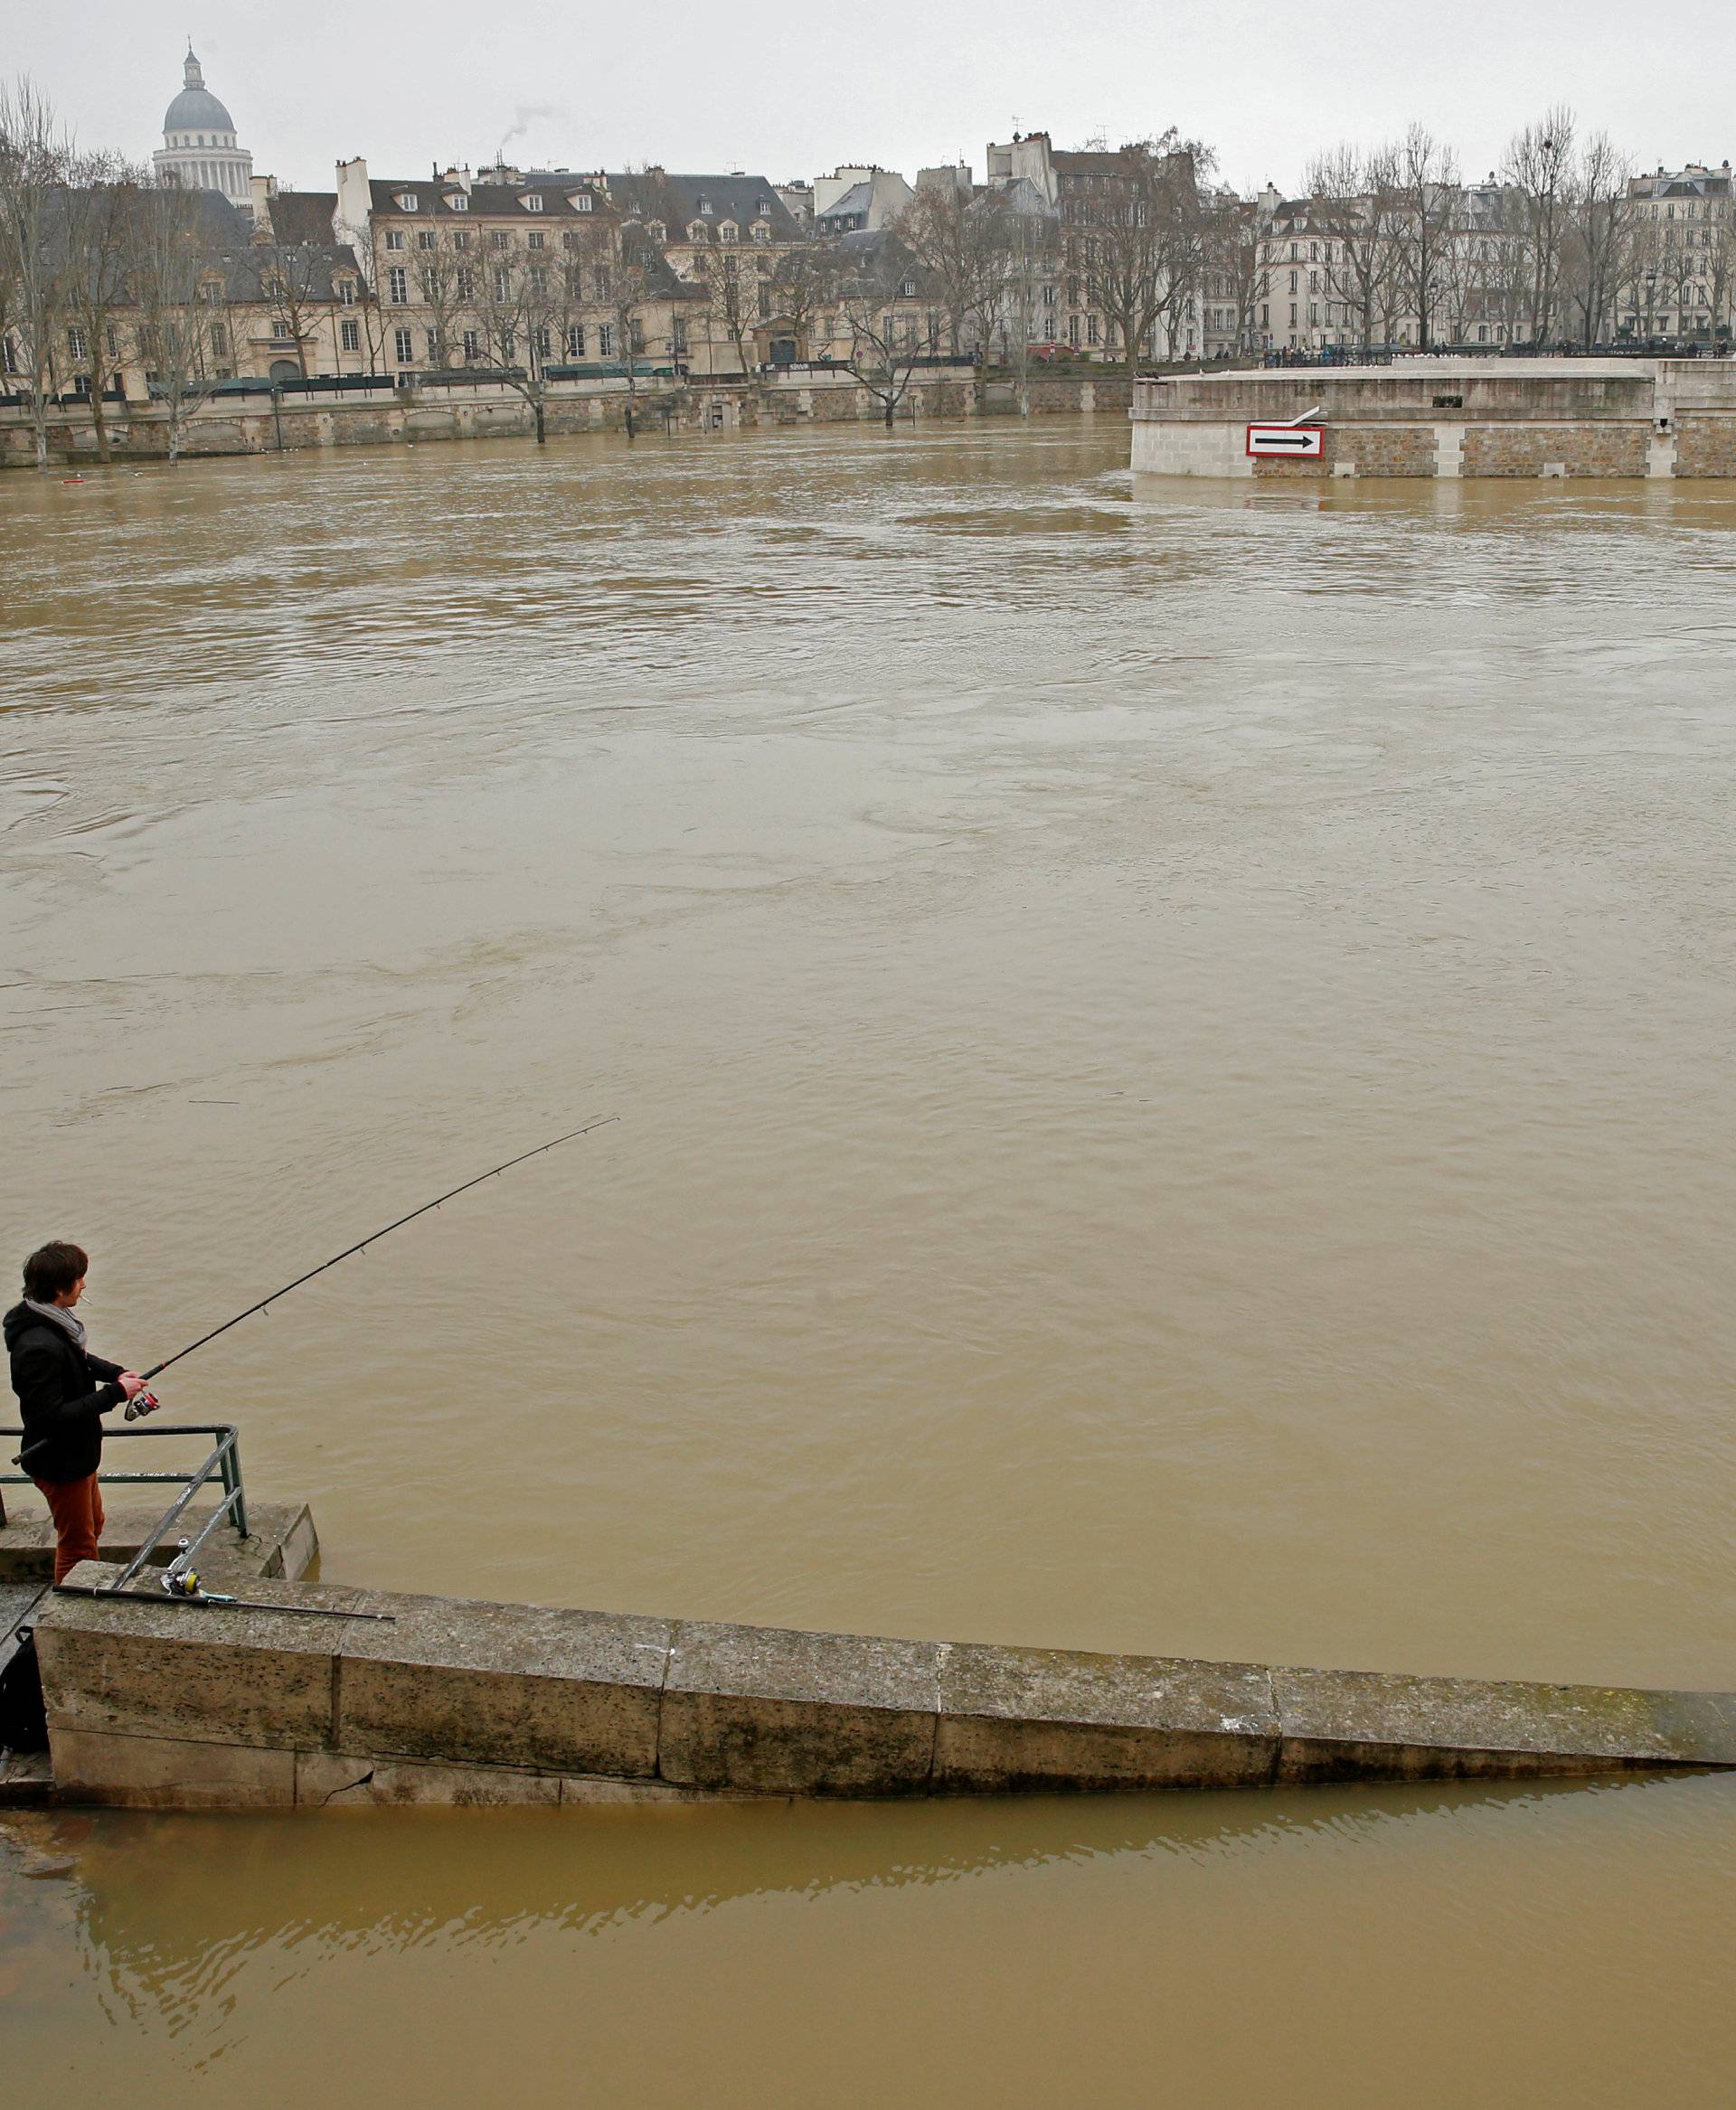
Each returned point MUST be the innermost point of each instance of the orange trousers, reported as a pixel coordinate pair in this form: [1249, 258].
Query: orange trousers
[76, 1506]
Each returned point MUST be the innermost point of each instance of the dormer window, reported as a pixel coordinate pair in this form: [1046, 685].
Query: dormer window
[406, 201]
[533, 203]
[909, 289]
[346, 291]
[727, 231]
[699, 233]
[456, 202]
[705, 207]
[580, 201]
[761, 231]
[657, 231]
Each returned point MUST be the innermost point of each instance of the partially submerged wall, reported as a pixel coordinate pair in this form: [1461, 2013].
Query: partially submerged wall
[1450, 419]
[385, 415]
[179, 1706]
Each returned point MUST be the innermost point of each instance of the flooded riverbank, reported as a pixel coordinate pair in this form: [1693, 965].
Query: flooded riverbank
[1172, 1056]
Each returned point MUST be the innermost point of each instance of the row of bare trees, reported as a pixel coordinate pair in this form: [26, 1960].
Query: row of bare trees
[101, 262]
[1543, 253]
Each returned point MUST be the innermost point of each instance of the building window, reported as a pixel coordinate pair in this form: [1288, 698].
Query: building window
[349, 337]
[406, 201]
[727, 231]
[425, 238]
[697, 233]
[394, 237]
[658, 232]
[211, 293]
[705, 207]
[538, 240]
[605, 342]
[533, 204]
[498, 240]
[678, 342]
[472, 346]
[599, 281]
[909, 289]
[467, 284]
[401, 348]
[575, 340]
[347, 292]
[436, 350]
[503, 283]
[458, 202]
[546, 343]
[461, 239]
[112, 337]
[1072, 329]
[569, 240]
[220, 339]
[580, 201]
[397, 286]
[76, 342]
[1091, 329]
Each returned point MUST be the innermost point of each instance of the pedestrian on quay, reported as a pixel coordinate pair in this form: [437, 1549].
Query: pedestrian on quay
[63, 1391]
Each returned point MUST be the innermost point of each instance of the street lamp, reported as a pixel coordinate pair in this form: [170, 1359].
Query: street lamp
[1651, 306]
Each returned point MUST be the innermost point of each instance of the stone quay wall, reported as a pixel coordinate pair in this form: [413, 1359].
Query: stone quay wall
[385, 415]
[1450, 419]
[161, 1705]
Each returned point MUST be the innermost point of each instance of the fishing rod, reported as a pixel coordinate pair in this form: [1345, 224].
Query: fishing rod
[136, 1407]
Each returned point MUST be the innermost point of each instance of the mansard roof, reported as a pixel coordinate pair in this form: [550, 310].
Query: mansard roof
[485, 199]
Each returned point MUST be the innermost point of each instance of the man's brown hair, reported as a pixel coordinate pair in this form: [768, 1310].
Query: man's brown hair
[53, 1268]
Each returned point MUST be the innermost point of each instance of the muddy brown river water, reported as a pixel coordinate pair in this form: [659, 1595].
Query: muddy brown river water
[1174, 1056]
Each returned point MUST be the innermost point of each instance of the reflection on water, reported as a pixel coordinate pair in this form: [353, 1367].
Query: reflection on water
[1173, 1048]
[1030, 1951]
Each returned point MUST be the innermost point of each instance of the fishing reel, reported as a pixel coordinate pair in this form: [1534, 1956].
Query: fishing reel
[141, 1404]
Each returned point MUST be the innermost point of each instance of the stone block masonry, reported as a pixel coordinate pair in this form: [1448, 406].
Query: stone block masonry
[158, 1705]
[1450, 418]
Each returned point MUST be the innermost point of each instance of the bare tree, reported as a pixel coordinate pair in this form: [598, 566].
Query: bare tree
[1599, 238]
[803, 283]
[1236, 270]
[886, 340]
[958, 238]
[1354, 201]
[517, 299]
[1140, 239]
[446, 279]
[1030, 254]
[293, 280]
[1539, 167]
[631, 278]
[731, 293]
[176, 286]
[101, 213]
[35, 153]
[1428, 199]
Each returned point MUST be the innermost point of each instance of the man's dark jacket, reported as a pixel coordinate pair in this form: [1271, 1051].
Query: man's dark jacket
[63, 1391]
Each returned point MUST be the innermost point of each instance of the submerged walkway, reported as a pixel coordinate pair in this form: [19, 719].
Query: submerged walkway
[158, 1704]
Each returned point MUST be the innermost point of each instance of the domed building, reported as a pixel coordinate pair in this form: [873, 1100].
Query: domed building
[199, 142]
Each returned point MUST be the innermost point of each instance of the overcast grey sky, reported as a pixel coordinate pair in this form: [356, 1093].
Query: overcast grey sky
[784, 92]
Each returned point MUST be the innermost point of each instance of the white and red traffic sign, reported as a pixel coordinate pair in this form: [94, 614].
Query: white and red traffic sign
[1305, 442]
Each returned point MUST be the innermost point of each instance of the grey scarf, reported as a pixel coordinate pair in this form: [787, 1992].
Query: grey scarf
[61, 1316]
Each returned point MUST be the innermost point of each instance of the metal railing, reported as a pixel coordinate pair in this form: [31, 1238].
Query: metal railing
[224, 1464]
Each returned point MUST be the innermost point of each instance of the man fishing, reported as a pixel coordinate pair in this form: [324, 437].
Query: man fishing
[63, 1391]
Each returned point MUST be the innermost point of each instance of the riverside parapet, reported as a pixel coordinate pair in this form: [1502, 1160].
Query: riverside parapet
[161, 1705]
[1449, 418]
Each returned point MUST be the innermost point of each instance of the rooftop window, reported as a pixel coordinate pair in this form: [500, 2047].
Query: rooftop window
[405, 200]
[533, 203]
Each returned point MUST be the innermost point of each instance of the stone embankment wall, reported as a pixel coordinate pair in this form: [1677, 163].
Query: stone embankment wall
[250, 425]
[155, 1704]
[1510, 417]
